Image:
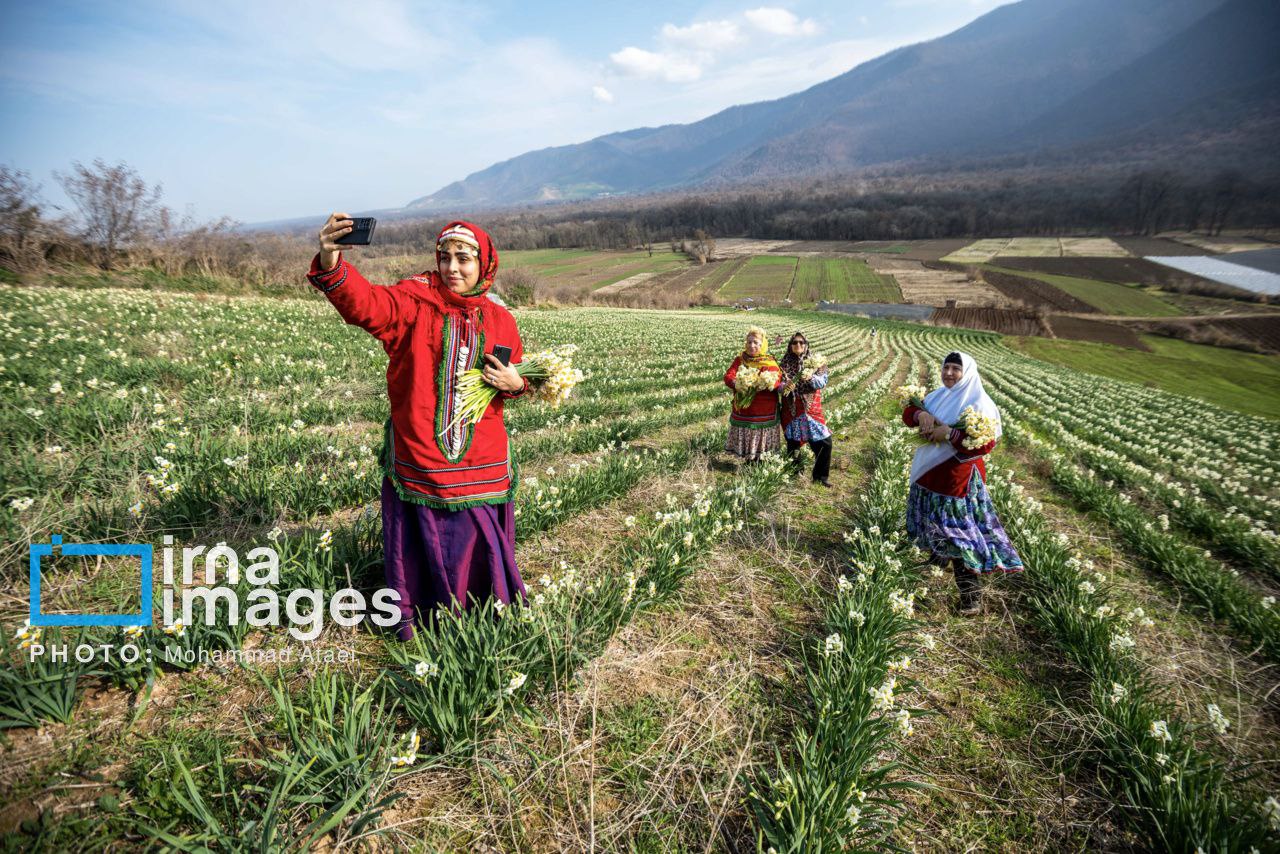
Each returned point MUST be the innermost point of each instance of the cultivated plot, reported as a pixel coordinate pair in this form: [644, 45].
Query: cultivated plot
[981, 251]
[764, 277]
[843, 280]
[924, 286]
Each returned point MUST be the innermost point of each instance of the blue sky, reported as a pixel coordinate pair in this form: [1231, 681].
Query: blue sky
[268, 110]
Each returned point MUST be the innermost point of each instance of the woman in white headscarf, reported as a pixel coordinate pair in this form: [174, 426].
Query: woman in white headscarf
[949, 513]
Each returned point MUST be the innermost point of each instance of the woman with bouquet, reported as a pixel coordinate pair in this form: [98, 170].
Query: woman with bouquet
[448, 521]
[804, 375]
[754, 378]
[949, 513]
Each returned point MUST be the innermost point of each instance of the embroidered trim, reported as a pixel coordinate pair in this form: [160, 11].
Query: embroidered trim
[451, 468]
[772, 424]
[324, 289]
[452, 485]
[387, 462]
[454, 443]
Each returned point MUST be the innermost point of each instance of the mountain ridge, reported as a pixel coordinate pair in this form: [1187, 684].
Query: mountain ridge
[1015, 79]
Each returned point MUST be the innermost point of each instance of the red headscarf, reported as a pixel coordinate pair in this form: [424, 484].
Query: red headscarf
[486, 252]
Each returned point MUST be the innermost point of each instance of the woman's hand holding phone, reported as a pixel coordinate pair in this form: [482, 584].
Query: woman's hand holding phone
[336, 226]
[500, 376]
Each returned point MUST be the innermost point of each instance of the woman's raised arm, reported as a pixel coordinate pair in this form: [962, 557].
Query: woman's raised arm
[381, 312]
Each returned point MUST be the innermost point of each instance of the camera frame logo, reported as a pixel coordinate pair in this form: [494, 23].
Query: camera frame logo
[39, 550]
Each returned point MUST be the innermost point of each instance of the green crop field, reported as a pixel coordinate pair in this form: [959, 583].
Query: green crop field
[1244, 381]
[542, 257]
[842, 280]
[766, 277]
[712, 655]
[592, 269]
[1107, 297]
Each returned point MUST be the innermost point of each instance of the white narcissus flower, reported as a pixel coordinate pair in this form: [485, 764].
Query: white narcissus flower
[1271, 810]
[410, 755]
[833, 645]
[1160, 730]
[1217, 720]
[882, 698]
[515, 684]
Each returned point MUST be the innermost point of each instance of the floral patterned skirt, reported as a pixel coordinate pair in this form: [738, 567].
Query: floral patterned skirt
[966, 528]
[751, 443]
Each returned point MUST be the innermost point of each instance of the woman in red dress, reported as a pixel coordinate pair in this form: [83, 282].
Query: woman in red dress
[753, 424]
[448, 522]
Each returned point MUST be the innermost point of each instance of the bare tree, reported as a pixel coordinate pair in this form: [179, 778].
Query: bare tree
[703, 246]
[1147, 196]
[22, 228]
[1226, 190]
[117, 208]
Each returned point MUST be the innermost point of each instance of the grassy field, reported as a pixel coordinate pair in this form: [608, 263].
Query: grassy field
[543, 257]
[590, 269]
[1243, 381]
[1107, 297]
[766, 277]
[842, 280]
[713, 653]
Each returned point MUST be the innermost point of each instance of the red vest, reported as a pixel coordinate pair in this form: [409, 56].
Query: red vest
[951, 476]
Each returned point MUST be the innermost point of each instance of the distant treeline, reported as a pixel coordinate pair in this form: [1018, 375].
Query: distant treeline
[120, 224]
[907, 208]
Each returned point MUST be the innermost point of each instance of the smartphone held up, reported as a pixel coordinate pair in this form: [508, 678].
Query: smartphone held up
[361, 233]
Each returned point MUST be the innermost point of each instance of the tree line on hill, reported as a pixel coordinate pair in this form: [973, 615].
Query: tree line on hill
[119, 221]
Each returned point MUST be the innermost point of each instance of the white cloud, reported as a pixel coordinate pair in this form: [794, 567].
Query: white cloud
[780, 22]
[602, 94]
[668, 65]
[704, 35]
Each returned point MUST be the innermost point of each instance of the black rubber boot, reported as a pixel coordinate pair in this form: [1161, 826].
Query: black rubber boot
[970, 587]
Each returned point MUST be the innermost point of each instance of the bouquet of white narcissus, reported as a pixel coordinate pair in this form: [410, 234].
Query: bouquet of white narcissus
[551, 375]
[979, 429]
[813, 363]
[747, 382]
[911, 395]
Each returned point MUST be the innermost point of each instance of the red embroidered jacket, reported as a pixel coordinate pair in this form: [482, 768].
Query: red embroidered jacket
[792, 406]
[763, 410]
[431, 336]
[951, 477]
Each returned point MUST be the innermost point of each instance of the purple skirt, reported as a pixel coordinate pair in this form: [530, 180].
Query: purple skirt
[435, 558]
